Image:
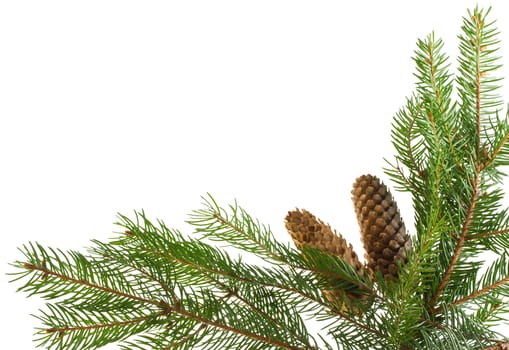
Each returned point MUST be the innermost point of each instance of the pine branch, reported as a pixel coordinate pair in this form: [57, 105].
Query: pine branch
[454, 217]
[485, 290]
[167, 308]
[153, 287]
[488, 234]
[46, 273]
[236, 330]
[239, 230]
[459, 245]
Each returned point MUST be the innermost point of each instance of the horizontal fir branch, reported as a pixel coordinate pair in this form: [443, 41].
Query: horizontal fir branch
[240, 230]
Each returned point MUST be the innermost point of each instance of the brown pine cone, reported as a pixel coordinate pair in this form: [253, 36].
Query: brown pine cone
[383, 232]
[307, 230]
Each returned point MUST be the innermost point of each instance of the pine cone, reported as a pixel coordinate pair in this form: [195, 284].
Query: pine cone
[383, 232]
[307, 230]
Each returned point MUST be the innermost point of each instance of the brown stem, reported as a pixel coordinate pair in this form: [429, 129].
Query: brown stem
[62, 330]
[501, 345]
[459, 246]
[225, 327]
[488, 234]
[478, 80]
[260, 311]
[495, 153]
[433, 76]
[287, 288]
[482, 291]
[46, 272]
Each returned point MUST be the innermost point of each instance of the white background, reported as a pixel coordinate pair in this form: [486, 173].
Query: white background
[111, 106]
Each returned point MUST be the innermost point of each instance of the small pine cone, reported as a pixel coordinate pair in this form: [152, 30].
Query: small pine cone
[383, 232]
[307, 230]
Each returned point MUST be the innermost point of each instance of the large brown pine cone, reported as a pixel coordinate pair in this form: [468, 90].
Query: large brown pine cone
[307, 230]
[383, 232]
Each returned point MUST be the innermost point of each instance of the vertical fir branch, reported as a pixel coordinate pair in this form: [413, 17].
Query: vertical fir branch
[477, 49]
[460, 243]
[455, 145]
[478, 46]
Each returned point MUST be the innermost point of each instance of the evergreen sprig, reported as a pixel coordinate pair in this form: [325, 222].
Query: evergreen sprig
[153, 287]
[449, 157]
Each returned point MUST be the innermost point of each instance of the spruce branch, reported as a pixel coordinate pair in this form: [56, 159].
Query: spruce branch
[154, 287]
[445, 160]
[495, 283]
[488, 234]
[239, 230]
[302, 283]
[459, 245]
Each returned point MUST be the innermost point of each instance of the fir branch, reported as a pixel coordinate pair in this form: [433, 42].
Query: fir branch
[239, 230]
[186, 339]
[41, 267]
[484, 290]
[460, 243]
[60, 331]
[500, 145]
[232, 329]
[213, 262]
[487, 234]
[478, 44]
[304, 271]
[433, 82]
[153, 287]
[301, 282]
[407, 141]
[289, 326]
